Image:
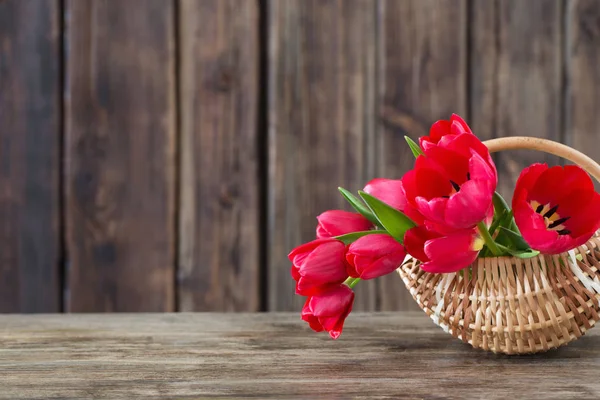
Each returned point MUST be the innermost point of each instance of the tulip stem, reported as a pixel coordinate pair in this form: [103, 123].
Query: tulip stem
[351, 282]
[487, 238]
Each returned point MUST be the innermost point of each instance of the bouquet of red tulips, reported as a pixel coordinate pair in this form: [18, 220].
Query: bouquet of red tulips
[445, 213]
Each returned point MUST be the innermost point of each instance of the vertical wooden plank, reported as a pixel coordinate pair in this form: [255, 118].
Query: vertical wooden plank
[422, 79]
[321, 124]
[120, 141]
[219, 247]
[583, 59]
[29, 156]
[516, 78]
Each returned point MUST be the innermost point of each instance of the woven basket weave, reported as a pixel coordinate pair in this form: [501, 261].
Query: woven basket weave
[511, 305]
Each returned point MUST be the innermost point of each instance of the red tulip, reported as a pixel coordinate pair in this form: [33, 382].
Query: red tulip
[449, 189]
[374, 255]
[318, 265]
[328, 310]
[455, 135]
[443, 254]
[391, 192]
[338, 222]
[556, 209]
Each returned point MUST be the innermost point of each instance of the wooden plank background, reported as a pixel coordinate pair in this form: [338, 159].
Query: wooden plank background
[161, 155]
[30, 135]
[119, 155]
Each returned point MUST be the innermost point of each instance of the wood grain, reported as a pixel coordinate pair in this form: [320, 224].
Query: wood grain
[120, 144]
[321, 124]
[516, 77]
[583, 75]
[384, 356]
[30, 96]
[422, 78]
[219, 217]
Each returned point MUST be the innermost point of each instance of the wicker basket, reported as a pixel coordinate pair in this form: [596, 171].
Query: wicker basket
[511, 305]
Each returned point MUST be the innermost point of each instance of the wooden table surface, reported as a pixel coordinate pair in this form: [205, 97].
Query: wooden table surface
[382, 355]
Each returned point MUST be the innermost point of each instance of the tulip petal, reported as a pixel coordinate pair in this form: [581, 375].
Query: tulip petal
[584, 212]
[313, 322]
[325, 263]
[307, 315]
[575, 178]
[469, 206]
[294, 272]
[545, 188]
[576, 206]
[456, 263]
[373, 245]
[306, 248]
[384, 265]
[527, 219]
[464, 144]
[338, 222]
[528, 177]
[479, 169]
[450, 253]
[460, 241]
[438, 130]
[322, 233]
[414, 241]
[464, 126]
[432, 184]
[544, 240]
[350, 263]
[434, 209]
[409, 183]
[317, 265]
[456, 128]
[332, 302]
[450, 164]
[390, 191]
[374, 255]
[307, 287]
[328, 310]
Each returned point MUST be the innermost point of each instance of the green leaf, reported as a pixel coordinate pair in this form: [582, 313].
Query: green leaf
[392, 220]
[508, 221]
[520, 253]
[500, 205]
[497, 221]
[351, 237]
[513, 225]
[512, 239]
[358, 205]
[414, 147]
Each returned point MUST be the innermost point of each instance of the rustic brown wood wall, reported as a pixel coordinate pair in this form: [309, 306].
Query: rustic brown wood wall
[162, 155]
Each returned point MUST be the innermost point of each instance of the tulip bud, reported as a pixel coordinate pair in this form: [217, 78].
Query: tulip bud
[328, 310]
[318, 265]
[337, 222]
[374, 255]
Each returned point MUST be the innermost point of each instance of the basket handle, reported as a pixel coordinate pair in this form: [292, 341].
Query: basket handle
[547, 146]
